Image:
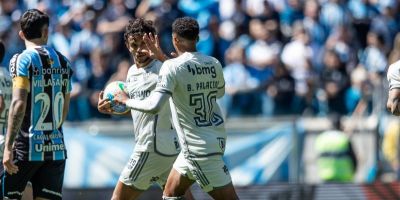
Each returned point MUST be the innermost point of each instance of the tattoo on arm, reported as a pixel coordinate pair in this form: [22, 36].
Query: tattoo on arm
[16, 115]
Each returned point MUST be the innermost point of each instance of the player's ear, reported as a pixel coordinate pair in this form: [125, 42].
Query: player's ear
[128, 46]
[175, 38]
[45, 32]
[21, 35]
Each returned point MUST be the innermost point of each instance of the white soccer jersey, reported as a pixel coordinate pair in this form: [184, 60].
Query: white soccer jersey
[153, 132]
[195, 81]
[393, 75]
[6, 92]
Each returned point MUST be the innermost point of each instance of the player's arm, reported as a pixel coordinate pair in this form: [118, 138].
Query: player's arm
[66, 106]
[393, 102]
[2, 104]
[15, 117]
[152, 104]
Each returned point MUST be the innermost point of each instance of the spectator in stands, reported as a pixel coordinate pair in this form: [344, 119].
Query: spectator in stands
[238, 82]
[391, 146]
[333, 15]
[339, 25]
[386, 23]
[361, 13]
[357, 97]
[292, 13]
[98, 79]
[114, 18]
[337, 161]
[297, 55]
[282, 91]
[335, 81]
[373, 58]
[315, 29]
[344, 41]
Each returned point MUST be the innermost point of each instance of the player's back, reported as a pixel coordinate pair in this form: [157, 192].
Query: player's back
[196, 81]
[48, 72]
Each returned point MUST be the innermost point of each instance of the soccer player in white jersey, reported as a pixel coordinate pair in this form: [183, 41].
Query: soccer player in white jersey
[193, 81]
[393, 77]
[157, 144]
[5, 95]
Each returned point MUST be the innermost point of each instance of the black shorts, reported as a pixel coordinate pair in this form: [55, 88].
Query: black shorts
[46, 177]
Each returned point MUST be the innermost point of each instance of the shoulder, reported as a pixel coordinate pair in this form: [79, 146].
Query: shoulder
[23, 58]
[394, 66]
[214, 60]
[61, 56]
[394, 69]
[178, 61]
[156, 65]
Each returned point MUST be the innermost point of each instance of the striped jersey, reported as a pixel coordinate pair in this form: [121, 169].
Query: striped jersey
[49, 73]
[153, 132]
[195, 81]
[6, 93]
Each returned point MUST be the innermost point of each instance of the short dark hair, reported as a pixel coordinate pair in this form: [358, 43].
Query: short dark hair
[186, 27]
[2, 51]
[138, 26]
[32, 22]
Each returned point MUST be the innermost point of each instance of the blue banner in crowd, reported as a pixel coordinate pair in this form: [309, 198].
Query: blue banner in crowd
[253, 158]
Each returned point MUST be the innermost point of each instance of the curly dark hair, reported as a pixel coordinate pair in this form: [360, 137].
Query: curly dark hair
[139, 26]
[2, 51]
[32, 22]
[186, 27]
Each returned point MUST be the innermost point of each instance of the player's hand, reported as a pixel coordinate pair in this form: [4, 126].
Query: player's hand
[153, 45]
[393, 107]
[121, 98]
[8, 163]
[393, 103]
[104, 105]
[174, 54]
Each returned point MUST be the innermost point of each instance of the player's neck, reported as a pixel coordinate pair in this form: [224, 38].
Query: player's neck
[34, 42]
[143, 65]
[185, 49]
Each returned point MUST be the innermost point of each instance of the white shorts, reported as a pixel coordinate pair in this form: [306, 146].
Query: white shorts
[209, 172]
[146, 168]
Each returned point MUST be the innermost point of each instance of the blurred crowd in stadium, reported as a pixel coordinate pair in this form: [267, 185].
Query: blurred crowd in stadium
[280, 57]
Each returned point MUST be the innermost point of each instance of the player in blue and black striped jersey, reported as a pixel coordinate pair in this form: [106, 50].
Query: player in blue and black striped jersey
[34, 145]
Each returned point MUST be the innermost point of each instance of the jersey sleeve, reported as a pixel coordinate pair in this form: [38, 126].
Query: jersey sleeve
[393, 76]
[166, 79]
[221, 80]
[19, 65]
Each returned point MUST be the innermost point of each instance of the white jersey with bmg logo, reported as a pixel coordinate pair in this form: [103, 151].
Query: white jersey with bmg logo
[195, 81]
[153, 132]
[6, 93]
[393, 75]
